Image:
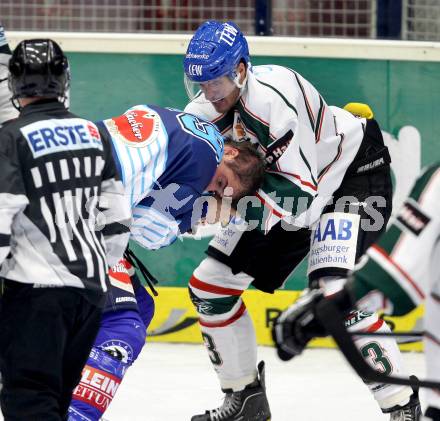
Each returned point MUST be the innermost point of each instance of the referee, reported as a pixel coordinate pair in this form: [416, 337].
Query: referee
[56, 175]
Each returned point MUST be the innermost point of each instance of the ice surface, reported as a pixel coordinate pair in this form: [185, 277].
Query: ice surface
[172, 382]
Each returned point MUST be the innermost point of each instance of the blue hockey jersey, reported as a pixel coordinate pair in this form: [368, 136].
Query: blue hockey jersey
[166, 158]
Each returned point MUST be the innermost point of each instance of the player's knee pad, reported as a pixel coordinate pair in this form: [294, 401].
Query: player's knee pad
[216, 292]
[211, 270]
[99, 382]
[122, 334]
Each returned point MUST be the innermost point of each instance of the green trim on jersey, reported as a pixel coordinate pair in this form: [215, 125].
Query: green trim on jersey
[423, 181]
[319, 117]
[371, 277]
[220, 305]
[308, 166]
[260, 129]
[280, 94]
[388, 241]
[293, 199]
[392, 236]
[306, 102]
[338, 154]
[226, 121]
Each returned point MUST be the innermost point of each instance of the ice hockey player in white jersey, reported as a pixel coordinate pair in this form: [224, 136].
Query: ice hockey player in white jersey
[400, 272]
[326, 170]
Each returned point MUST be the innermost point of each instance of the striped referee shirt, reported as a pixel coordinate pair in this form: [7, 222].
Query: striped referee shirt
[63, 217]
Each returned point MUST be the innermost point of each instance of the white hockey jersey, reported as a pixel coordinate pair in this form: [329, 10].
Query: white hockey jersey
[308, 144]
[403, 265]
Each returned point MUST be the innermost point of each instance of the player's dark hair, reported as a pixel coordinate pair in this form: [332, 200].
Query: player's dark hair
[248, 165]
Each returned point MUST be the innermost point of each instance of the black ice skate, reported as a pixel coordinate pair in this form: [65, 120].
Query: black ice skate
[249, 404]
[409, 412]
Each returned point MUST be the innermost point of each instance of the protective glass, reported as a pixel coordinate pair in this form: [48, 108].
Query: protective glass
[210, 91]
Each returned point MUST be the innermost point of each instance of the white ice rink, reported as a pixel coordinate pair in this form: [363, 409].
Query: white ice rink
[173, 382]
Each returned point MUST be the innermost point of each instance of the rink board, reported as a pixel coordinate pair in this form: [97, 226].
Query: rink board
[175, 319]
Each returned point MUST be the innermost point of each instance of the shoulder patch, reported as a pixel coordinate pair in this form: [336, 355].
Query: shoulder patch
[412, 218]
[137, 127]
[56, 135]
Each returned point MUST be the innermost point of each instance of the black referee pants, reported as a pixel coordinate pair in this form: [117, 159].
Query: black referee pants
[45, 338]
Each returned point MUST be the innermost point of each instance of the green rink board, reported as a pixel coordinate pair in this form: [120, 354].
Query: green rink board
[400, 93]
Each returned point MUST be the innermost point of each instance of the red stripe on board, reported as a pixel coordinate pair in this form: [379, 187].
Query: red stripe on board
[203, 286]
[224, 323]
[384, 254]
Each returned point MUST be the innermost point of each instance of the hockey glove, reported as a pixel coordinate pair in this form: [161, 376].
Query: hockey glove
[297, 325]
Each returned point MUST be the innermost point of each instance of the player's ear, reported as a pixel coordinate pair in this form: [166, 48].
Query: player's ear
[241, 69]
[230, 153]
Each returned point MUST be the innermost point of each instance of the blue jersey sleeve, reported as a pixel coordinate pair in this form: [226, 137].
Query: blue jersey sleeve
[166, 213]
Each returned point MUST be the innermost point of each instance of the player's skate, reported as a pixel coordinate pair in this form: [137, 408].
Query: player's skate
[249, 404]
[409, 412]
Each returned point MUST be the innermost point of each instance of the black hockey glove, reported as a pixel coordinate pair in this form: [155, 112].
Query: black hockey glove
[300, 323]
[432, 414]
[297, 325]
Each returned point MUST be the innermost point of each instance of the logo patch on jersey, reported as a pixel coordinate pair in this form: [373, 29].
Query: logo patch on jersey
[96, 388]
[238, 129]
[55, 135]
[120, 278]
[119, 349]
[276, 149]
[334, 241]
[137, 127]
[412, 218]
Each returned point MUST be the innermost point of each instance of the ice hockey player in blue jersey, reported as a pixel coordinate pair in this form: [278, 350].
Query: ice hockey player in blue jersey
[167, 160]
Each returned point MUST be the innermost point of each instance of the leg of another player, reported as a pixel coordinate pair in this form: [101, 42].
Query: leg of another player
[230, 340]
[120, 340]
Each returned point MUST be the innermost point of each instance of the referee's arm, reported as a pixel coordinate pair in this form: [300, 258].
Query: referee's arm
[13, 197]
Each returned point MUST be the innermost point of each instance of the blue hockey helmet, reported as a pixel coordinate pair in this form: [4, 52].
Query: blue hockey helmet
[214, 51]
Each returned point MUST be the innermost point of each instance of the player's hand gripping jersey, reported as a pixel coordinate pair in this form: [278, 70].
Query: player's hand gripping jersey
[166, 159]
[302, 137]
